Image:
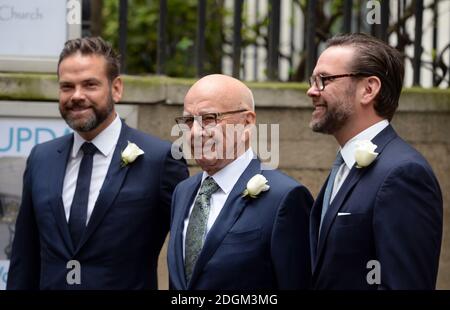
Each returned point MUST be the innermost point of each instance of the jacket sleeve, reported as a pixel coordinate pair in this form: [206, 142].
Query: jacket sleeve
[290, 249]
[173, 172]
[407, 225]
[24, 270]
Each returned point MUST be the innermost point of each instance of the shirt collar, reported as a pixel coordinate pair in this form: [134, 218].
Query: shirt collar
[348, 150]
[103, 140]
[227, 177]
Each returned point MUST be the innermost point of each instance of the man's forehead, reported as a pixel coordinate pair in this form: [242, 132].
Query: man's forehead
[201, 107]
[334, 59]
[82, 75]
[81, 62]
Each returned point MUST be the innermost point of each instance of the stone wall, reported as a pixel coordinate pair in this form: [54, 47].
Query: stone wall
[423, 120]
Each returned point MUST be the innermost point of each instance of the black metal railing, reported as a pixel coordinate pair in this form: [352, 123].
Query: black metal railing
[320, 22]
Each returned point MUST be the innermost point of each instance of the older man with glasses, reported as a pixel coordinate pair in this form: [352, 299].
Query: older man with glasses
[235, 225]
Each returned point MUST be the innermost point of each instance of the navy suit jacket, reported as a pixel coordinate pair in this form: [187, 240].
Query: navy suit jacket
[130, 220]
[395, 207]
[254, 243]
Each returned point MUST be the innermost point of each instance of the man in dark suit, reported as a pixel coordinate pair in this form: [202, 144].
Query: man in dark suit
[96, 203]
[377, 222]
[220, 239]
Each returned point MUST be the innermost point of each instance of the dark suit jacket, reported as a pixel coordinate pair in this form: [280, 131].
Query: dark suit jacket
[396, 219]
[254, 243]
[130, 220]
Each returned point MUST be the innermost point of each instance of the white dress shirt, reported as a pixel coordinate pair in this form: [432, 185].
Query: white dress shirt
[105, 142]
[348, 152]
[226, 178]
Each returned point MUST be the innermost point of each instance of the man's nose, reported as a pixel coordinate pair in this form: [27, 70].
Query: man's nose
[197, 129]
[78, 94]
[313, 91]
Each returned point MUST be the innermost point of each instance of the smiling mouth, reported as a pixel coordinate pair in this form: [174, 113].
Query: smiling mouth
[78, 111]
[319, 108]
[78, 108]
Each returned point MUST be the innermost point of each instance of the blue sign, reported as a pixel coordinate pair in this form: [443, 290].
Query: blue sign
[19, 135]
[4, 267]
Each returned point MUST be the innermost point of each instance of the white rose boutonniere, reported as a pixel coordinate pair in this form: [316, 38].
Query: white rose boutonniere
[364, 153]
[256, 185]
[131, 152]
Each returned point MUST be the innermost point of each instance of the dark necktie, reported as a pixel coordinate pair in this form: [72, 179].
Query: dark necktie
[196, 230]
[329, 189]
[78, 210]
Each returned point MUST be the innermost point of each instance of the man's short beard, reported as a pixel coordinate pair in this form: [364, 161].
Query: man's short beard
[336, 117]
[94, 120]
[333, 120]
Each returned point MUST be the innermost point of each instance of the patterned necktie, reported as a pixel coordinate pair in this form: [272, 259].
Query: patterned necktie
[329, 189]
[78, 210]
[196, 229]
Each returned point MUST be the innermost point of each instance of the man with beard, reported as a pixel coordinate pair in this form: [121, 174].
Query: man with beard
[236, 225]
[96, 203]
[377, 222]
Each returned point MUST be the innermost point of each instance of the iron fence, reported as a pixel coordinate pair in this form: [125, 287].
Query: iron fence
[418, 28]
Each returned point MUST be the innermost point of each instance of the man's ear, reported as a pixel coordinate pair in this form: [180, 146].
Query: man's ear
[250, 126]
[372, 86]
[117, 89]
[250, 118]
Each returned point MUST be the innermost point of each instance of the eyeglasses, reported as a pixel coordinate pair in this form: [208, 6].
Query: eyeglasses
[319, 80]
[206, 120]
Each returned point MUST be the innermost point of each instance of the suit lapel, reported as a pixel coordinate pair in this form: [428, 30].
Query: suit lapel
[111, 186]
[381, 140]
[314, 223]
[56, 183]
[187, 201]
[230, 212]
[351, 180]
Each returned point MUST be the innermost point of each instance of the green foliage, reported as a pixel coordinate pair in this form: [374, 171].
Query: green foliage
[142, 34]
[143, 15]
[141, 41]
